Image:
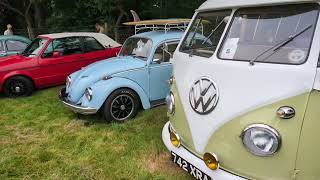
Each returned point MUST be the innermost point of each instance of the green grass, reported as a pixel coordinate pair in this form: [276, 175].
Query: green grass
[40, 139]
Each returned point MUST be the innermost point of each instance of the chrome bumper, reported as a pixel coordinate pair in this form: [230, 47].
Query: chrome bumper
[76, 108]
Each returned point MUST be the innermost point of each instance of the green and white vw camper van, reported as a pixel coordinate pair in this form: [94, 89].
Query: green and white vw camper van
[247, 105]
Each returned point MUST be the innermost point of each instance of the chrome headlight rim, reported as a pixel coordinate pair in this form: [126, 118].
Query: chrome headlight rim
[88, 93]
[170, 103]
[68, 81]
[268, 129]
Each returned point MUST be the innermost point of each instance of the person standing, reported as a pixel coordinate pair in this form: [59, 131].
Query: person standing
[8, 31]
[100, 27]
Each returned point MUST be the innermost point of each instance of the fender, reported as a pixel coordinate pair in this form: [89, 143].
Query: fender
[102, 89]
[10, 74]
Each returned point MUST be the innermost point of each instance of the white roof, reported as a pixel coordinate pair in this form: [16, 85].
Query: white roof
[228, 4]
[102, 38]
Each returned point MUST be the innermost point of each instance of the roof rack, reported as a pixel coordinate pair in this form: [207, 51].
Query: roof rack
[160, 25]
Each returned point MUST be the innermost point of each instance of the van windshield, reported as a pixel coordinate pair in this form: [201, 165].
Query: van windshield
[255, 30]
[205, 33]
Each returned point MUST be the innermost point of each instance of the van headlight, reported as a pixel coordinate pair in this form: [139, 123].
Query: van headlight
[170, 101]
[88, 94]
[261, 140]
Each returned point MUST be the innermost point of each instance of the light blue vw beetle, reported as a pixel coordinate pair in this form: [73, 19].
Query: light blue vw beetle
[137, 77]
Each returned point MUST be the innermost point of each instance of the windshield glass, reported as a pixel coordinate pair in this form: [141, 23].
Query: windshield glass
[255, 30]
[205, 33]
[35, 47]
[137, 47]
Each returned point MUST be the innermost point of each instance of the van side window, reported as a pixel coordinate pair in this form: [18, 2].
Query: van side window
[205, 33]
[263, 34]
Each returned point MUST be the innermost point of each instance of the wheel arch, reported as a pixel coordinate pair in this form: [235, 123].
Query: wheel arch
[17, 74]
[104, 89]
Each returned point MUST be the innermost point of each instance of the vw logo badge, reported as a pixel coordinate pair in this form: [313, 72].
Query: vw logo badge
[204, 96]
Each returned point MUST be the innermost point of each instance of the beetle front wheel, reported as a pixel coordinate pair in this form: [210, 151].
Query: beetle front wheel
[121, 105]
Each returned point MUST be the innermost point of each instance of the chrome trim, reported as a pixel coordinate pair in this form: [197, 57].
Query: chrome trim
[264, 126]
[170, 81]
[171, 98]
[286, 112]
[88, 93]
[193, 98]
[214, 156]
[75, 108]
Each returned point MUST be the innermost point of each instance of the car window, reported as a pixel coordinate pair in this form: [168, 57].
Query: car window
[1, 46]
[91, 44]
[256, 30]
[161, 55]
[66, 46]
[205, 33]
[35, 47]
[14, 45]
[137, 47]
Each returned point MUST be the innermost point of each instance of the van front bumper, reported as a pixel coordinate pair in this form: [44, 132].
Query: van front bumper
[76, 108]
[194, 160]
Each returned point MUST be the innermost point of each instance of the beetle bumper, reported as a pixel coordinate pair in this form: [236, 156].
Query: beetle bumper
[74, 107]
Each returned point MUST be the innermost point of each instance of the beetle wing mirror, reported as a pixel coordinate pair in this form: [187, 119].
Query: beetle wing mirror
[157, 61]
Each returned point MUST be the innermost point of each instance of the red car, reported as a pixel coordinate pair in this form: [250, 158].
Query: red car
[50, 58]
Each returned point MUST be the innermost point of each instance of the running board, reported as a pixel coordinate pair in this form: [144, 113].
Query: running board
[158, 102]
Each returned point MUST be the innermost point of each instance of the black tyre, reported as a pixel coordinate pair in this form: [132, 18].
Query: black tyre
[18, 86]
[121, 105]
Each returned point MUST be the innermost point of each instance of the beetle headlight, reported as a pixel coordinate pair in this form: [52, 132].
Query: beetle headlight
[68, 81]
[88, 94]
[261, 140]
[170, 101]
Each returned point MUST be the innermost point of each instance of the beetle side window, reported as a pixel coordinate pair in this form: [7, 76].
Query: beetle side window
[91, 44]
[13, 45]
[164, 52]
[281, 34]
[205, 33]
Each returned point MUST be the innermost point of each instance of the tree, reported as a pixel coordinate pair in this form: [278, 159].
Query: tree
[21, 8]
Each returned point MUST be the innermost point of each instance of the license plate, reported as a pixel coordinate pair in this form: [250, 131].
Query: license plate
[188, 167]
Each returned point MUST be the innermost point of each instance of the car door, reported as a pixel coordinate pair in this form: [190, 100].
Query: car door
[94, 51]
[61, 58]
[15, 46]
[160, 71]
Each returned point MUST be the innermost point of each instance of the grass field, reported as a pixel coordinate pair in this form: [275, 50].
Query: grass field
[40, 139]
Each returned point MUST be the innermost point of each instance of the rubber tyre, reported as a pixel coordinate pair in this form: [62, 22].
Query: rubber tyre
[25, 83]
[116, 94]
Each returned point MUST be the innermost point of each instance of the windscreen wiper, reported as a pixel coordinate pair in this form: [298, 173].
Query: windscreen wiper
[278, 46]
[213, 31]
[195, 31]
